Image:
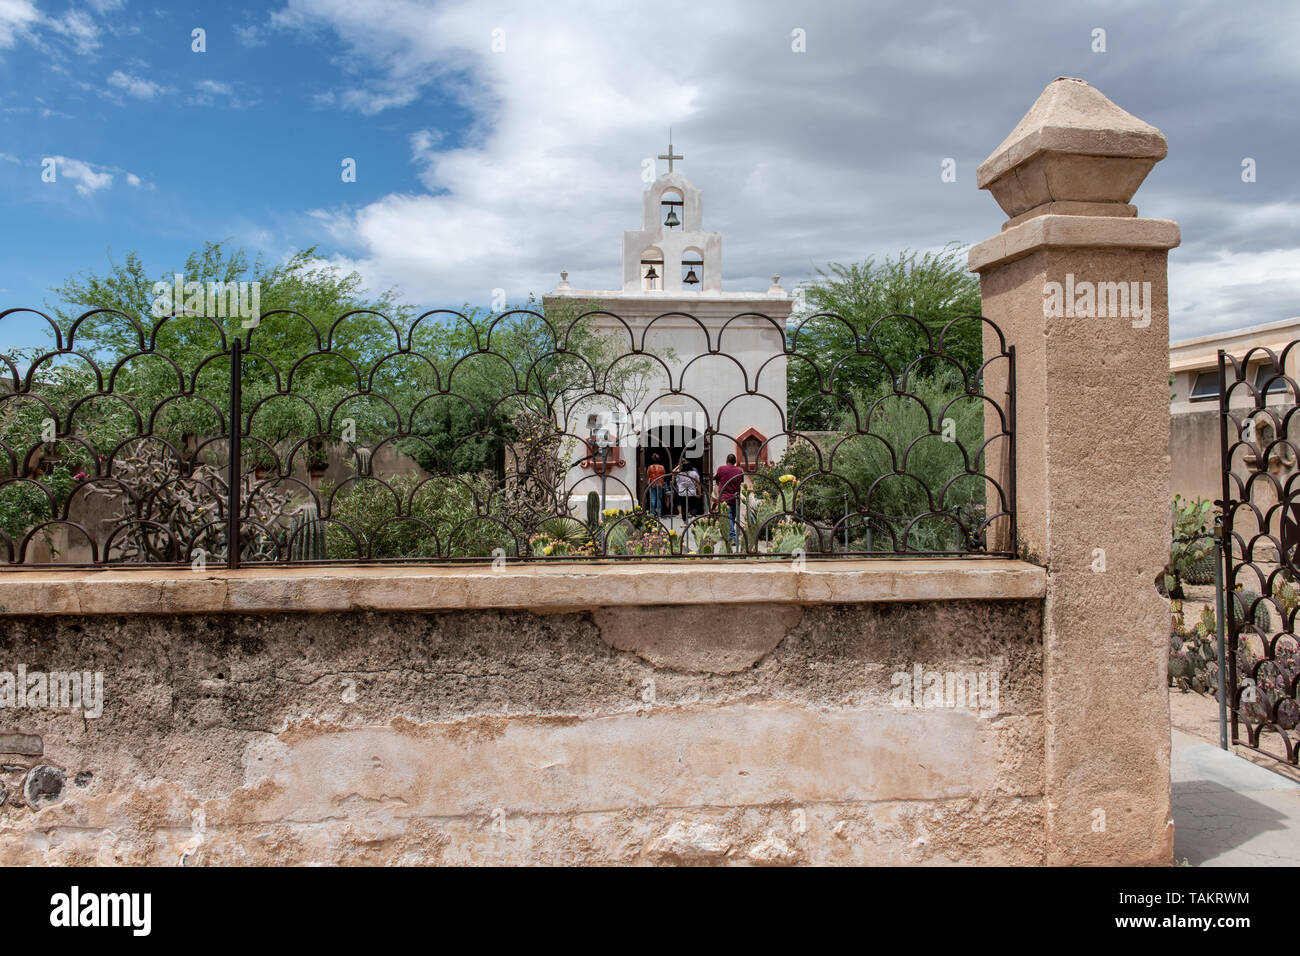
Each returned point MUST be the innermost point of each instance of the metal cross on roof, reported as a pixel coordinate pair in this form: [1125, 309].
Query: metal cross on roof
[670, 157]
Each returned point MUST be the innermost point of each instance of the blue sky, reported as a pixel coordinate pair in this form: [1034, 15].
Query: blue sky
[497, 143]
[182, 146]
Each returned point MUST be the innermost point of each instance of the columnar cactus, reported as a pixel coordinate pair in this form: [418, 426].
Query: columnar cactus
[307, 535]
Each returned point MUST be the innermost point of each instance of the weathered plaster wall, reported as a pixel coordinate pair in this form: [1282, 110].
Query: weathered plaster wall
[1194, 454]
[630, 735]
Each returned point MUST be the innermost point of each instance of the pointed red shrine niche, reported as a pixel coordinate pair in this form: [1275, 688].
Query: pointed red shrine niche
[593, 459]
[751, 449]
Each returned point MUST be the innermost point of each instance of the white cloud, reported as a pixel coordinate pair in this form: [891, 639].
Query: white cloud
[1231, 289]
[17, 17]
[136, 86]
[831, 155]
[88, 178]
[80, 29]
[251, 34]
[215, 87]
[540, 185]
[208, 92]
[424, 143]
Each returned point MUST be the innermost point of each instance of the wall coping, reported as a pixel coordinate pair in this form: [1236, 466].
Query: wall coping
[546, 588]
[1072, 232]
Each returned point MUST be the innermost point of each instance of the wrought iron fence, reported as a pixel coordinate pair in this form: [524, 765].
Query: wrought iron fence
[519, 436]
[1261, 526]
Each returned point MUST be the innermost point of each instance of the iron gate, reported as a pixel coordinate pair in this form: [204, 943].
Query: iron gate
[1260, 515]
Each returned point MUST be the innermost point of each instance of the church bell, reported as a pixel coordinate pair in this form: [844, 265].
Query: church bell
[691, 277]
[672, 219]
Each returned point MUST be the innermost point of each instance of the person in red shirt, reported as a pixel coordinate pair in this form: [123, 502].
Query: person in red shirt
[655, 478]
[729, 479]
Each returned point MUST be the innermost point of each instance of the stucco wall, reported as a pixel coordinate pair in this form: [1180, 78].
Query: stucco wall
[1194, 455]
[707, 733]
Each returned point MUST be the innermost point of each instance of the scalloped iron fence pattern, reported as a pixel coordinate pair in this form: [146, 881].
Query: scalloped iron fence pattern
[1261, 528]
[452, 437]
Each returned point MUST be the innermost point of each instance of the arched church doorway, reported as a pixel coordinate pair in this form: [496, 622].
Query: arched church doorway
[673, 445]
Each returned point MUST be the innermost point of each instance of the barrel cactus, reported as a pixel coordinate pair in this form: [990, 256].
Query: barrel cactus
[1242, 602]
[1200, 569]
[307, 535]
[593, 512]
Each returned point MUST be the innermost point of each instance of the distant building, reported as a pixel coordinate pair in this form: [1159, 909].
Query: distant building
[1194, 446]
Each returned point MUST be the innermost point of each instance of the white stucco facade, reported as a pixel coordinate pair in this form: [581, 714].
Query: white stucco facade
[721, 387]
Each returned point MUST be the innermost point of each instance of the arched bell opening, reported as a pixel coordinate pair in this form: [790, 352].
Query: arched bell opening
[671, 207]
[652, 270]
[692, 269]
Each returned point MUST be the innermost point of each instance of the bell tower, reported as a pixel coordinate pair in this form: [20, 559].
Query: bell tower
[671, 252]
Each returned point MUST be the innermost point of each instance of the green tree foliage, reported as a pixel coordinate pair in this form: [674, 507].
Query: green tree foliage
[447, 389]
[896, 462]
[933, 287]
[184, 345]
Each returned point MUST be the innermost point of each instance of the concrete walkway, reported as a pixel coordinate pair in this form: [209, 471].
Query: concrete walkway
[1230, 812]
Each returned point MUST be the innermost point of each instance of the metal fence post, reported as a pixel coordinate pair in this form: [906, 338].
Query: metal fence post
[1229, 652]
[1218, 629]
[235, 476]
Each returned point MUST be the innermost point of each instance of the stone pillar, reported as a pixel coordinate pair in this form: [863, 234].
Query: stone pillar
[1078, 284]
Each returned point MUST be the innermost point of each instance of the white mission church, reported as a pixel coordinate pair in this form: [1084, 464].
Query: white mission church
[724, 350]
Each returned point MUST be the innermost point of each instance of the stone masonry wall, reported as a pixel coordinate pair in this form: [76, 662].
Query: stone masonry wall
[633, 735]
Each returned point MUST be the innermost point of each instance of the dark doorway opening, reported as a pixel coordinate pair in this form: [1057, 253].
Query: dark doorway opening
[674, 445]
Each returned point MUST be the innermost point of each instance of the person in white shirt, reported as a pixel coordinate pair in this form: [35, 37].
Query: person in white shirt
[688, 491]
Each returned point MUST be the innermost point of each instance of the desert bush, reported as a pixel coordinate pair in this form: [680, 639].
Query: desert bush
[900, 470]
[413, 518]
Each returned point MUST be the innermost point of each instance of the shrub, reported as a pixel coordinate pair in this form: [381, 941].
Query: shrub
[413, 519]
[898, 469]
[1191, 551]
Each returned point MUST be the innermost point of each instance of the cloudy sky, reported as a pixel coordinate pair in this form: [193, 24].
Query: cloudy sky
[496, 143]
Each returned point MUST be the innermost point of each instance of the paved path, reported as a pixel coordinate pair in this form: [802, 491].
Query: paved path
[1230, 812]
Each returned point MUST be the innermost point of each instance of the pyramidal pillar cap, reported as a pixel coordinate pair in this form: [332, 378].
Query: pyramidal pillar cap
[1074, 153]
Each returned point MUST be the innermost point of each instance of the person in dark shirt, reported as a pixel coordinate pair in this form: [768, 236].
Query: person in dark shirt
[729, 479]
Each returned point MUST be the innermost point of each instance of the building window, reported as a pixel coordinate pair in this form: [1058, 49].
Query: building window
[1262, 376]
[1204, 387]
